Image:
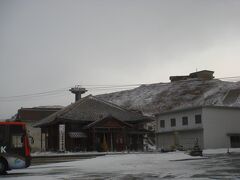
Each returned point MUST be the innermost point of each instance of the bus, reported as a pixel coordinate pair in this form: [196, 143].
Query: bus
[14, 146]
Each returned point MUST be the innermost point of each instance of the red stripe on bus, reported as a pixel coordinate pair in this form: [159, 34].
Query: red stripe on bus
[12, 123]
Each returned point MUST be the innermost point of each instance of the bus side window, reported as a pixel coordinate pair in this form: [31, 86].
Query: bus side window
[16, 133]
[17, 141]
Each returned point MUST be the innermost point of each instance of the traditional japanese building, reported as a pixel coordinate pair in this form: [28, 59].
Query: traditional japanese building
[92, 124]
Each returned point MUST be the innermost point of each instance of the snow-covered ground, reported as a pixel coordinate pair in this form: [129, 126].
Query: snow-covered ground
[47, 154]
[137, 166]
[51, 154]
[221, 151]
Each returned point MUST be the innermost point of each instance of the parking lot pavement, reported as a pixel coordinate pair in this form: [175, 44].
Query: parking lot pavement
[137, 166]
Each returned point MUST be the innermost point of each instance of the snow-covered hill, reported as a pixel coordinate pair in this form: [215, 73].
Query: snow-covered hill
[156, 98]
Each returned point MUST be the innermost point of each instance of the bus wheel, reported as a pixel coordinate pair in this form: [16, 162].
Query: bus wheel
[3, 167]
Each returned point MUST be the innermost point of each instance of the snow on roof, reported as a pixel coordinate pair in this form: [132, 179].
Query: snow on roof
[91, 108]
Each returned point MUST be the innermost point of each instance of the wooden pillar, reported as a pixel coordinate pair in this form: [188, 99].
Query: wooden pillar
[93, 140]
[46, 140]
[125, 139]
[41, 141]
[111, 141]
[138, 142]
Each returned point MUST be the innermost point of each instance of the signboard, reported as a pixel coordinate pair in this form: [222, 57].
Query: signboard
[3, 149]
[61, 137]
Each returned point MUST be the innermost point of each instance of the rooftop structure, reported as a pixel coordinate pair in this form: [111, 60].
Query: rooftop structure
[202, 75]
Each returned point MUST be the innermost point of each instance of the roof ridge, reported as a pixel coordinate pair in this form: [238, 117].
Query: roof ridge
[99, 120]
[117, 106]
[102, 107]
[111, 104]
[62, 111]
[73, 105]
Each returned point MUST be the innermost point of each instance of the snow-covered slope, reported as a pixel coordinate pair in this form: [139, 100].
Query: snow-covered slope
[156, 98]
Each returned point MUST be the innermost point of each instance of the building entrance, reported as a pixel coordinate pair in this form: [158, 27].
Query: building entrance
[235, 141]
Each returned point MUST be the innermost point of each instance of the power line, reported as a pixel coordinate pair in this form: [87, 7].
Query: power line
[111, 85]
[33, 94]
[91, 88]
[52, 92]
[31, 97]
[19, 97]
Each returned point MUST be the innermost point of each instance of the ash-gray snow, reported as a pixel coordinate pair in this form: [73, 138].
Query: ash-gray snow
[156, 98]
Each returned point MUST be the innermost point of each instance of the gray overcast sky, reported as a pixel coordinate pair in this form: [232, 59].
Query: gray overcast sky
[51, 44]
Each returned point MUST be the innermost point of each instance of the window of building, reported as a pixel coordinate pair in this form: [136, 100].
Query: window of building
[162, 123]
[198, 119]
[185, 121]
[173, 122]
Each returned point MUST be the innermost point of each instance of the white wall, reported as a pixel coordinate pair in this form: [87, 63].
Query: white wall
[186, 139]
[184, 134]
[178, 116]
[36, 134]
[165, 141]
[217, 122]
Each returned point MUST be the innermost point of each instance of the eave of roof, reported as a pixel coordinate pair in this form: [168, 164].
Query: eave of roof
[50, 119]
[98, 121]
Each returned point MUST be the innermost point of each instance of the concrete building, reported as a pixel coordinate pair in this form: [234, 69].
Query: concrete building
[212, 126]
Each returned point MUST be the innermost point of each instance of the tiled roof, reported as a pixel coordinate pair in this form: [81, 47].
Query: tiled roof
[92, 109]
[34, 114]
